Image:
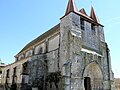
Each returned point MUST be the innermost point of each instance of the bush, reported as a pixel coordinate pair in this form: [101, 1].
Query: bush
[13, 87]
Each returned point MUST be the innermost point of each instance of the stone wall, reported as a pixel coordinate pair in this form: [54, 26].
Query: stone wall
[37, 70]
[75, 59]
[53, 43]
[18, 75]
[43, 71]
[117, 83]
[90, 38]
[80, 49]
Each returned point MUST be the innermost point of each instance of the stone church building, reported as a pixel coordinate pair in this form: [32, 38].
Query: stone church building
[73, 55]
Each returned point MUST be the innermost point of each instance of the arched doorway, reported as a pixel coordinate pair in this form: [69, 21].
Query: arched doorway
[87, 83]
[93, 77]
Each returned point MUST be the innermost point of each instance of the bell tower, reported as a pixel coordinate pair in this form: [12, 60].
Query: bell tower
[84, 56]
[70, 44]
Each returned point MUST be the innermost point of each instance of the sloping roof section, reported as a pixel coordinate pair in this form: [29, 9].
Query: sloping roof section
[41, 37]
[93, 15]
[83, 11]
[71, 7]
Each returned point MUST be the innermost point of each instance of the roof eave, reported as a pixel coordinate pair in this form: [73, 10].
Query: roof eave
[87, 18]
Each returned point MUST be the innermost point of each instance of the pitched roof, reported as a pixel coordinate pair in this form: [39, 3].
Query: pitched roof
[93, 15]
[41, 37]
[71, 7]
[83, 11]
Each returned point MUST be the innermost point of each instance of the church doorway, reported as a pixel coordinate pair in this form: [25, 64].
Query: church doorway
[87, 83]
[93, 77]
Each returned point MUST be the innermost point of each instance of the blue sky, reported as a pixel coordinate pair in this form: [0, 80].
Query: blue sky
[23, 20]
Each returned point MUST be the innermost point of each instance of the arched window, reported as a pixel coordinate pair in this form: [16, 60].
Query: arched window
[29, 53]
[24, 68]
[40, 50]
[21, 57]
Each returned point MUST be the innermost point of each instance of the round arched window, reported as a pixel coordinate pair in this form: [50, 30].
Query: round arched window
[40, 50]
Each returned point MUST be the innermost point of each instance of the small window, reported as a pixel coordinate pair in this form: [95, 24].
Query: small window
[14, 72]
[28, 54]
[21, 57]
[40, 50]
[23, 80]
[93, 27]
[82, 24]
[25, 66]
[8, 73]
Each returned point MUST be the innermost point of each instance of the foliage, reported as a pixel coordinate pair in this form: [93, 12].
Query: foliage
[13, 86]
[53, 77]
[38, 82]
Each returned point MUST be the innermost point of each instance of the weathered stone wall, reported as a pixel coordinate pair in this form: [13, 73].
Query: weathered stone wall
[53, 43]
[70, 43]
[53, 61]
[37, 48]
[42, 69]
[117, 83]
[21, 57]
[64, 61]
[18, 79]
[44, 59]
[28, 53]
[78, 49]
[37, 70]
[90, 38]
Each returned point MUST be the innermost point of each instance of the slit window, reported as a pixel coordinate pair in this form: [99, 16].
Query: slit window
[82, 23]
[8, 71]
[93, 27]
[14, 72]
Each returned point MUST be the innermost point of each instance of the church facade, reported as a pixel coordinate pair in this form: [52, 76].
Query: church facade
[73, 55]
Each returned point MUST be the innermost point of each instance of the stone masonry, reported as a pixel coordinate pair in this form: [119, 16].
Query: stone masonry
[73, 55]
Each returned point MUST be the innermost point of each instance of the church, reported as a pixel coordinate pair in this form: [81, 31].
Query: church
[73, 55]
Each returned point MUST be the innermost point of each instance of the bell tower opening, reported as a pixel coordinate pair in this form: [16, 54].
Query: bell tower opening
[87, 83]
